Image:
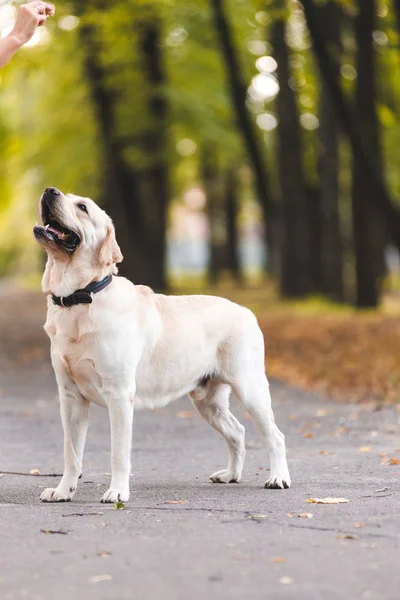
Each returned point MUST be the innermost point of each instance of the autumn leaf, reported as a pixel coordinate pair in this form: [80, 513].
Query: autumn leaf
[176, 502]
[358, 525]
[185, 414]
[118, 505]
[308, 435]
[347, 536]
[327, 500]
[365, 449]
[277, 559]
[305, 515]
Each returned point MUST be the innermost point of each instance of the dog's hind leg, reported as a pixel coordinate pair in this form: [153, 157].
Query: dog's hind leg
[212, 402]
[254, 393]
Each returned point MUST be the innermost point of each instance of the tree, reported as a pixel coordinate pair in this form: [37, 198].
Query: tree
[238, 90]
[368, 226]
[330, 235]
[346, 116]
[295, 276]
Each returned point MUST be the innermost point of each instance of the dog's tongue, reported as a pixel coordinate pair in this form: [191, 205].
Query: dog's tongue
[59, 234]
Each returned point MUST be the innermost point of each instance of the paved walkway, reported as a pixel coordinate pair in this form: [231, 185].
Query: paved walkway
[182, 537]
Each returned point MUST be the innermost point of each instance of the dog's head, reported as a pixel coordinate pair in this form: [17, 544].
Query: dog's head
[76, 231]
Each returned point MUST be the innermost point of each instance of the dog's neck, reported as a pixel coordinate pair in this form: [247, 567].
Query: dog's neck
[62, 277]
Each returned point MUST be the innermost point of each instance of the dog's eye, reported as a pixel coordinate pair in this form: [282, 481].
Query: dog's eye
[82, 207]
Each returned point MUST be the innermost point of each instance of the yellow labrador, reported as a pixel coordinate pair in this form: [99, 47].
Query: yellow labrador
[123, 347]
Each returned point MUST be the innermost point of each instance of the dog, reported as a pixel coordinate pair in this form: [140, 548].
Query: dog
[124, 347]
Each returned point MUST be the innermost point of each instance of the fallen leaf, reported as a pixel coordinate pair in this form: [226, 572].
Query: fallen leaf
[185, 414]
[305, 515]
[327, 500]
[277, 559]
[308, 435]
[290, 515]
[323, 412]
[365, 449]
[104, 554]
[176, 502]
[347, 536]
[286, 580]
[118, 505]
[390, 461]
[60, 531]
[98, 578]
[358, 524]
[323, 452]
[34, 472]
[257, 517]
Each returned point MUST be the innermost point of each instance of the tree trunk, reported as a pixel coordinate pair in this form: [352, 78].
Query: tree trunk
[238, 91]
[381, 197]
[368, 227]
[210, 177]
[232, 209]
[135, 199]
[295, 280]
[330, 235]
[155, 179]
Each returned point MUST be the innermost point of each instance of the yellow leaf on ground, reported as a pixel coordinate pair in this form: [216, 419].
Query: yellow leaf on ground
[358, 524]
[308, 435]
[365, 449]
[328, 500]
[277, 559]
[305, 515]
[176, 502]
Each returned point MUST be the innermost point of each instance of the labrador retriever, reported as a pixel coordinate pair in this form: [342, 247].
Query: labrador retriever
[124, 347]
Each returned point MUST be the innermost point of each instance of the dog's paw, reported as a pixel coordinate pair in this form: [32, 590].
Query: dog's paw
[112, 496]
[225, 476]
[276, 482]
[56, 495]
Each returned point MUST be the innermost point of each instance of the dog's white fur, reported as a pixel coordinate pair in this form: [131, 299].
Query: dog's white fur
[133, 349]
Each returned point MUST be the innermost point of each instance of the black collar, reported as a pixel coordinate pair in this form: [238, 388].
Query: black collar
[83, 296]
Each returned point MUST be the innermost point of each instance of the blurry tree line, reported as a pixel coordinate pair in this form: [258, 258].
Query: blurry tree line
[131, 102]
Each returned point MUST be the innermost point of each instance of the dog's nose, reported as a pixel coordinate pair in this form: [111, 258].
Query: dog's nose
[52, 191]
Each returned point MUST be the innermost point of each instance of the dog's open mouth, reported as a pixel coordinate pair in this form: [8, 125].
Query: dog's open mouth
[53, 231]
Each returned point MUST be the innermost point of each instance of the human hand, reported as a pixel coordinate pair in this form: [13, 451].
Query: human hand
[29, 17]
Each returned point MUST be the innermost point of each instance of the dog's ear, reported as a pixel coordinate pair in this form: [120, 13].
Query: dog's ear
[110, 253]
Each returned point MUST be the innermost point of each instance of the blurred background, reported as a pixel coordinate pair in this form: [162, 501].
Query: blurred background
[244, 148]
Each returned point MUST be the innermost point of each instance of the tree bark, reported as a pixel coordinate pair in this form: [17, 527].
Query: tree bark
[210, 177]
[238, 91]
[368, 227]
[232, 209]
[295, 280]
[155, 179]
[346, 116]
[330, 234]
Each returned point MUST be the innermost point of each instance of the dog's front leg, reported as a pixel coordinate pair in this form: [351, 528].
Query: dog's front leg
[74, 416]
[121, 417]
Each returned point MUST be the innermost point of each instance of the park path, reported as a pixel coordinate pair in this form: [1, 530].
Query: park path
[182, 537]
